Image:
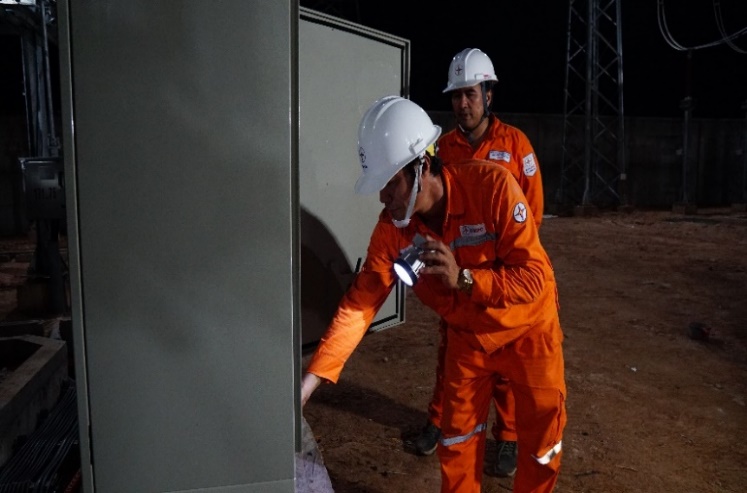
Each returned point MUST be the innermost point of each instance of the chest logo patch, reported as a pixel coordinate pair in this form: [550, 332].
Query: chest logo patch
[530, 165]
[472, 229]
[499, 156]
[520, 212]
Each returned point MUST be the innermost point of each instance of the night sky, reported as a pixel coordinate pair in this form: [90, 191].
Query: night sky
[527, 41]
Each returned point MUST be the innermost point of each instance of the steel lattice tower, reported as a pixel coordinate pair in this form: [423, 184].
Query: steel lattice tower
[593, 167]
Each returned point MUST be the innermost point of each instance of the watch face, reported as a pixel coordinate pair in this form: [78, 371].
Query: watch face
[465, 279]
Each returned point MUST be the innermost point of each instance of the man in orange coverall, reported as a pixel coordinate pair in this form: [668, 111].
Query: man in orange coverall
[481, 135]
[485, 273]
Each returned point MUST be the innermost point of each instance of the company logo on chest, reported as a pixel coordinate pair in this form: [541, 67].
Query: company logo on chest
[472, 229]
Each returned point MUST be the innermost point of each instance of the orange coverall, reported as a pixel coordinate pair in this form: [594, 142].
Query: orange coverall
[507, 326]
[509, 147]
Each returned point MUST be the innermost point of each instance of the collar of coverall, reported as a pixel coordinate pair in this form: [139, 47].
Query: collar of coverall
[455, 201]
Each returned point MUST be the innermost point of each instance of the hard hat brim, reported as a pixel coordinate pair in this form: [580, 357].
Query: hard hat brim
[462, 85]
[370, 183]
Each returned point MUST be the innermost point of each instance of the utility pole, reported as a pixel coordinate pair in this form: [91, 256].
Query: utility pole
[688, 203]
[593, 172]
[741, 206]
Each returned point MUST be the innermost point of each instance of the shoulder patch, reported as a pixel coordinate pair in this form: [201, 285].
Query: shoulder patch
[530, 165]
[494, 155]
[520, 212]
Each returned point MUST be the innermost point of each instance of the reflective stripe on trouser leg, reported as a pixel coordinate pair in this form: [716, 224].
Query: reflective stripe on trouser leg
[447, 442]
[540, 420]
[469, 378]
[537, 375]
[545, 459]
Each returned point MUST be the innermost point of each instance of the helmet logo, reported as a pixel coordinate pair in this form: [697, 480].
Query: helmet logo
[458, 70]
[362, 157]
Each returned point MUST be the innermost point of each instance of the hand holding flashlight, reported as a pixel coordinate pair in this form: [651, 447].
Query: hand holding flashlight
[439, 261]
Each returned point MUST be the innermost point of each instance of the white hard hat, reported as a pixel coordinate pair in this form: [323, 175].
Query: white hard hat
[468, 68]
[393, 132]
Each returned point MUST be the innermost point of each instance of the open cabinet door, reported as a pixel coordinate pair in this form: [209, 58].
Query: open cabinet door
[343, 68]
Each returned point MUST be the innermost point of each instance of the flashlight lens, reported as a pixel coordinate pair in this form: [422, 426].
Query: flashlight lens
[404, 272]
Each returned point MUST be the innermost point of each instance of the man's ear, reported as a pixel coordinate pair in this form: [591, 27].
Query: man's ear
[426, 163]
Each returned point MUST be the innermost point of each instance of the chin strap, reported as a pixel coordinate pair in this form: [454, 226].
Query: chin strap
[413, 195]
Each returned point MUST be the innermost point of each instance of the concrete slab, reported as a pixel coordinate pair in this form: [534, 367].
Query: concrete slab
[33, 370]
[22, 327]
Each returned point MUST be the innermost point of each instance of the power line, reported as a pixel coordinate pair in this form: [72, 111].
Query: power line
[725, 38]
[722, 30]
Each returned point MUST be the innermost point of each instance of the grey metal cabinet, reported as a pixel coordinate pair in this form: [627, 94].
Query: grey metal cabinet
[206, 146]
[180, 158]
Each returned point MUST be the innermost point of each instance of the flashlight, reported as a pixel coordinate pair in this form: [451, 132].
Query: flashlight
[409, 264]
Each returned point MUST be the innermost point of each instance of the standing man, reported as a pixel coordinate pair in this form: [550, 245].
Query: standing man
[481, 135]
[485, 273]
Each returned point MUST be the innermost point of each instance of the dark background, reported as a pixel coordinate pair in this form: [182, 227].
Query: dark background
[527, 41]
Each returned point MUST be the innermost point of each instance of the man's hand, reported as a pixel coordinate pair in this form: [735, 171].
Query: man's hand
[309, 383]
[440, 261]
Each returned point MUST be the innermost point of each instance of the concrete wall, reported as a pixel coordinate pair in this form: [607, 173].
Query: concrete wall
[654, 157]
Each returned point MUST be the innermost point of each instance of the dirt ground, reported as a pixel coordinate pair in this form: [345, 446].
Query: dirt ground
[650, 409]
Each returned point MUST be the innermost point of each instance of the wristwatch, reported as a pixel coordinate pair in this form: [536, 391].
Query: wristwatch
[464, 281]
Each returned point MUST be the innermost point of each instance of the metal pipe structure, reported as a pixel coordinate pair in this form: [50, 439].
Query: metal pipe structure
[51, 141]
[26, 101]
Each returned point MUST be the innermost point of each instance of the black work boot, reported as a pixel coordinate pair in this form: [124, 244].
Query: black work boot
[505, 467]
[427, 441]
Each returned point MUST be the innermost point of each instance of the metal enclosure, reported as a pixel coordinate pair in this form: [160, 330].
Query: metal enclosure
[181, 182]
[197, 171]
[343, 68]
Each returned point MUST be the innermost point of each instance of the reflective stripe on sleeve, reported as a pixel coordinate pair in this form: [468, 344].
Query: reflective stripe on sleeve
[446, 442]
[550, 455]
